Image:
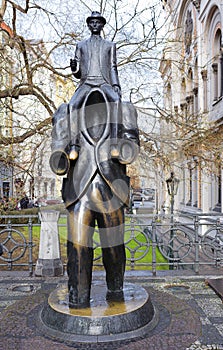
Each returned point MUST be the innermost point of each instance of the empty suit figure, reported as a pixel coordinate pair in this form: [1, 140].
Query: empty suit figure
[93, 138]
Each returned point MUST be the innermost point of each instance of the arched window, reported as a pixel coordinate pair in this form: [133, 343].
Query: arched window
[212, 39]
[217, 67]
[189, 96]
[189, 82]
[195, 88]
[169, 98]
[183, 104]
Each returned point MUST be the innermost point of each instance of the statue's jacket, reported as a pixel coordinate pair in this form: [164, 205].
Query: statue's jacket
[93, 157]
[107, 61]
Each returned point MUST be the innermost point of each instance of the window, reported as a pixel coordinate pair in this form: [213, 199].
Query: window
[6, 189]
[217, 67]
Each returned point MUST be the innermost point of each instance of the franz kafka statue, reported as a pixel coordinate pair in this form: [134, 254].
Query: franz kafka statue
[93, 138]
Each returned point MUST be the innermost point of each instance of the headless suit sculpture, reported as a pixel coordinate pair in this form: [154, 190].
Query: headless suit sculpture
[93, 138]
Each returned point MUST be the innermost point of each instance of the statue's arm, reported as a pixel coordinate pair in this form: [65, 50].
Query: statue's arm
[129, 141]
[75, 64]
[114, 71]
[129, 147]
[59, 160]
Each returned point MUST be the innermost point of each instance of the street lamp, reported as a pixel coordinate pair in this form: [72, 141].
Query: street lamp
[172, 188]
[172, 184]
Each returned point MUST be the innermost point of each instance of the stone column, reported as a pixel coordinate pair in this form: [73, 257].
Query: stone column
[215, 81]
[206, 195]
[190, 106]
[221, 63]
[204, 77]
[195, 91]
[49, 262]
[206, 200]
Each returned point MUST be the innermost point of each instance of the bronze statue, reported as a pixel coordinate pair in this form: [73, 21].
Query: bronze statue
[93, 138]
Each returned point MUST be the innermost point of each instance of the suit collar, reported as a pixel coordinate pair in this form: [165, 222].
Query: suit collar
[95, 38]
[102, 41]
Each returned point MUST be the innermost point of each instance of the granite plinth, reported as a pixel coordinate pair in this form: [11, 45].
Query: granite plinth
[103, 320]
[217, 285]
[49, 267]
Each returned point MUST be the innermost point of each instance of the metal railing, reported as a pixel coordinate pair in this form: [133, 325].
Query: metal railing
[16, 238]
[152, 242]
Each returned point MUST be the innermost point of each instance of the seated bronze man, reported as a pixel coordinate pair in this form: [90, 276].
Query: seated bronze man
[93, 138]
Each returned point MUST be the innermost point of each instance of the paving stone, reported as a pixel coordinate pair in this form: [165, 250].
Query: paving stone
[217, 285]
[195, 315]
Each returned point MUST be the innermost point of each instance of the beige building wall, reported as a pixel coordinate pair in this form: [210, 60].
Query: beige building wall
[192, 72]
[48, 185]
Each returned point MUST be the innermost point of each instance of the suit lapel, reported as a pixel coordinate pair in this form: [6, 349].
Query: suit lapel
[101, 51]
[88, 53]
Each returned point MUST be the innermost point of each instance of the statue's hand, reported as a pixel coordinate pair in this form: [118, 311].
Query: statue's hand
[128, 151]
[73, 152]
[73, 64]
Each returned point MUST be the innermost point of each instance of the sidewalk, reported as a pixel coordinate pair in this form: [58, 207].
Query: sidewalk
[190, 313]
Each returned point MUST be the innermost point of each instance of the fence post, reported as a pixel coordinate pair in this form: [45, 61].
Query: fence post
[30, 246]
[154, 245]
[49, 261]
[196, 243]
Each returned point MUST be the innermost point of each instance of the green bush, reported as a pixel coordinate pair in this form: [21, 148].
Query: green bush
[19, 219]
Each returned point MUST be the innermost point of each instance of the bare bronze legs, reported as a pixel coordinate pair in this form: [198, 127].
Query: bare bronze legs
[97, 206]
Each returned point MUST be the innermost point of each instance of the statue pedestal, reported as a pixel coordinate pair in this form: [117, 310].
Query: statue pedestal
[49, 262]
[103, 321]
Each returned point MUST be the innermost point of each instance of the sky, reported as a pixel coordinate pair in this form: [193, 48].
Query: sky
[69, 16]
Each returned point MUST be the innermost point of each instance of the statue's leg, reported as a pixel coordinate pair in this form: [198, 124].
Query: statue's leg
[114, 257]
[110, 221]
[75, 105]
[116, 118]
[115, 128]
[80, 255]
[114, 263]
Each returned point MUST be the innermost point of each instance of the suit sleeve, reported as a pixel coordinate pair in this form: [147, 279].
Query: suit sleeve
[77, 73]
[114, 70]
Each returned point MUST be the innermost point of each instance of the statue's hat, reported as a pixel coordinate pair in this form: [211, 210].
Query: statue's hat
[94, 15]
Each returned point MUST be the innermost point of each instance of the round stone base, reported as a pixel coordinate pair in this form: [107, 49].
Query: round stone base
[103, 320]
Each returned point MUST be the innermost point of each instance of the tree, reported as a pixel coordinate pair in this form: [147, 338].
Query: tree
[42, 40]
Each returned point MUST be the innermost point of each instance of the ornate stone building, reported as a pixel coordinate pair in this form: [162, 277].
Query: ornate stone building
[24, 166]
[46, 183]
[192, 72]
[6, 169]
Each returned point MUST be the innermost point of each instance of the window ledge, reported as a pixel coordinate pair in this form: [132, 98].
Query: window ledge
[217, 101]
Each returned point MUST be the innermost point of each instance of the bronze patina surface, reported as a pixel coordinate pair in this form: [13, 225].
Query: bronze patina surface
[94, 137]
[132, 317]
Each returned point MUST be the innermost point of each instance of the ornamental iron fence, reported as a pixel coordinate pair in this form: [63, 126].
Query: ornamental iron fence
[156, 243]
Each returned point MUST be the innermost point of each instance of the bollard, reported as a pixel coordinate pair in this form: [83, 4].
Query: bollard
[49, 262]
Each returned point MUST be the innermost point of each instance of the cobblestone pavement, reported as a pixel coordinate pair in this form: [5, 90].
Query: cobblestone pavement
[190, 314]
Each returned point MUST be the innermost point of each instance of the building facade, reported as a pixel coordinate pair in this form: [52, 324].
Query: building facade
[6, 168]
[192, 72]
[46, 183]
[24, 164]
